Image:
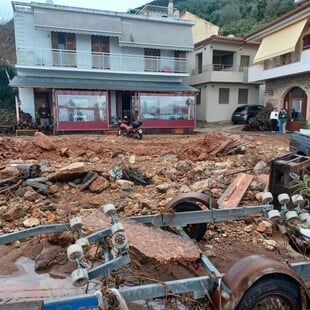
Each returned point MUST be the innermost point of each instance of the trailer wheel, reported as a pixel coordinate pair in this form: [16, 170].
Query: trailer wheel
[272, 292]
[194, 231]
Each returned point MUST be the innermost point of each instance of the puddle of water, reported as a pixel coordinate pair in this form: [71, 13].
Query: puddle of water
[27, 285]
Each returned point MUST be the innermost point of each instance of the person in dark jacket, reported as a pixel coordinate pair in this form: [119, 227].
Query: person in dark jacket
[283, 118]
[44, 114]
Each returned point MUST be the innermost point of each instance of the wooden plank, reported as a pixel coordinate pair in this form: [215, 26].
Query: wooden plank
[151, 241]
[221, 147]
[235, 191]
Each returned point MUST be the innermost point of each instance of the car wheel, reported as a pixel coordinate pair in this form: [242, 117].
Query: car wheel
[194, 231]
[272, 292]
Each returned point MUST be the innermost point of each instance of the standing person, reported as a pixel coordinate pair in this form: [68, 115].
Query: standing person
[44, 114]
[274, 116]
[283, 117]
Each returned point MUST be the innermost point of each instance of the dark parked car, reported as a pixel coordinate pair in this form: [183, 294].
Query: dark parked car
[244, 113]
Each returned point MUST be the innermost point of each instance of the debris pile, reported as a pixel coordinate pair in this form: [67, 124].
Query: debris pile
[215, 145]
[66, 176]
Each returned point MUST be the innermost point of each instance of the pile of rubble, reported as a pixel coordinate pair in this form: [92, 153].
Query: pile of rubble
[48, 180]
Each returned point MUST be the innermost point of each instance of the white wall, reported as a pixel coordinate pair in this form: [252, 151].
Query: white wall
[216, 112]
[26, 97]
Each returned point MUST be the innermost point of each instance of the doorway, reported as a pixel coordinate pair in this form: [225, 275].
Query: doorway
[40, 98]
[126, 104]
[295, 103]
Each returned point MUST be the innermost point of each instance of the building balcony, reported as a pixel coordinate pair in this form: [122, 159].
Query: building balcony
[280, 66]
[56, 59]
[219, 73]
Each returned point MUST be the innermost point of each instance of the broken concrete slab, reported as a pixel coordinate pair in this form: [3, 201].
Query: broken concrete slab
[151, 241]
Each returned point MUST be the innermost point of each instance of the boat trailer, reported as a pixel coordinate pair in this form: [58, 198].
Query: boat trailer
[251, 283]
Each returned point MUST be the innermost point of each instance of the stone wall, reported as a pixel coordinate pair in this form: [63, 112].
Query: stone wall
[277, 89]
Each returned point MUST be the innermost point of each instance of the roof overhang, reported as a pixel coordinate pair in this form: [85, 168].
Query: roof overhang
[75, 83]
[280, 42]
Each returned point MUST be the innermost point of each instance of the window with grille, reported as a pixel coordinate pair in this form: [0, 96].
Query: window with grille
[243, 96]
[223, 95]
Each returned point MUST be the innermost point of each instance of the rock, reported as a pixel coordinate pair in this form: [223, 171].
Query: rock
[65, 152]
[3, 209]
[99, 185]
[43, 141]
[124, 182]
[269, 244]
[163, 188]
[264, 227]
[32, 196]
[8, 172]
[200, 186]
[53, 189]
[14, 213]
[70, 172]
[248, 228]
[132, 159]
[30, 222]
[48, 257]
[259, 166]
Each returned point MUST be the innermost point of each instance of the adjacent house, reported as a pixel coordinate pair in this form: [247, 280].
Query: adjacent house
[92, 67]
[202, 28]
[282, 62]
[220, 71]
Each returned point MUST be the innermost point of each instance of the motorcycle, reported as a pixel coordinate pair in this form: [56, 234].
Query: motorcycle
[132, 130]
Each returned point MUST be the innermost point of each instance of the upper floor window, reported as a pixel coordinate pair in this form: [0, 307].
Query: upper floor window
[243, 96]
[224, 96]
[198, 63]
[64, 46]
[152, 59]
[306, 41]
[244, 62]
[180, 65]
[222, 60]
[100, 47]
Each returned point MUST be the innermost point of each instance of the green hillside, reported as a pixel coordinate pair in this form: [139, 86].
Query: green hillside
[236, 17]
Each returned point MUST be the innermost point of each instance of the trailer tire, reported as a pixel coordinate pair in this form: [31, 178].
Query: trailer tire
[272, 292]
[194, 231]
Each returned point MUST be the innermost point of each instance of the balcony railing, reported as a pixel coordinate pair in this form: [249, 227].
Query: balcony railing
[220, 67]
[103, 61]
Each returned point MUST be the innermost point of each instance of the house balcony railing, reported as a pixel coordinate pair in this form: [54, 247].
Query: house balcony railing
[219, 73]
[56, 58]
[281, 66]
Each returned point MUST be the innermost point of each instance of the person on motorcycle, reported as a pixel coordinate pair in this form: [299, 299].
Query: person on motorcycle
[125, 120]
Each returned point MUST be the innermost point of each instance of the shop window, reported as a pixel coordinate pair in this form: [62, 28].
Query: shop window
[243, 96]
[167, 107]
[81, 106]
[224, 96]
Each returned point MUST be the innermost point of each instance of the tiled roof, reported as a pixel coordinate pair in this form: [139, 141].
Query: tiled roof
[220, 38]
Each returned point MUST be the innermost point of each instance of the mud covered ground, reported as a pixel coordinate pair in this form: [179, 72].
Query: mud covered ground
[174, 164]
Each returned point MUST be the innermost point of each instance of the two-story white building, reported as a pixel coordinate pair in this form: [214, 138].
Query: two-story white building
[220, 72]
[282, 62]
[92, 67]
